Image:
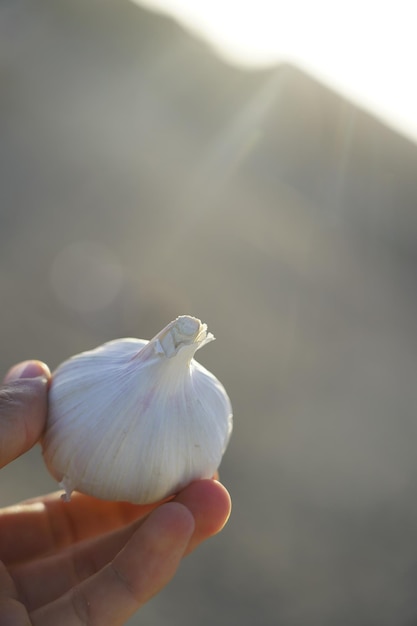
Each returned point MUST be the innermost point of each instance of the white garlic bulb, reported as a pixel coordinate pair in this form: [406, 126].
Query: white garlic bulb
[137, 420]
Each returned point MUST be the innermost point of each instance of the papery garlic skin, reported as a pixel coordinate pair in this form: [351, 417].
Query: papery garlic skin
[137, 420]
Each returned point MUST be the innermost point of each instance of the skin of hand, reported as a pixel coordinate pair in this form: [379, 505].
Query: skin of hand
[87, 562]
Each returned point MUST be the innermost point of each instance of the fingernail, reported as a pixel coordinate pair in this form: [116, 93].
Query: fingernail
[27, 369]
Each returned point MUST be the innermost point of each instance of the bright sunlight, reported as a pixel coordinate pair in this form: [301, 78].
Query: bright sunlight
[365, 49]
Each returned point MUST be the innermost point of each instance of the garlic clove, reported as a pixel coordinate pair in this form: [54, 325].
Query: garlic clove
[137, 420]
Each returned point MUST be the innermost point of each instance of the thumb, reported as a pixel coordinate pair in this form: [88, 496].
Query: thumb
[23, 408]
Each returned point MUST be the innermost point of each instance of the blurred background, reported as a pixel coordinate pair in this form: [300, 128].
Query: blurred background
[146, 171]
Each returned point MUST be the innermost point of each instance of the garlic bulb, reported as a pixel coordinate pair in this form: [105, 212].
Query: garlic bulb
[137, 420]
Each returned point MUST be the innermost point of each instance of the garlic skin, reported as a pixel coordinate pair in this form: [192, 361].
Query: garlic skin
[137, 420]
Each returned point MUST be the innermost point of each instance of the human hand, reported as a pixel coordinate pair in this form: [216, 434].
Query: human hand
[87, 561]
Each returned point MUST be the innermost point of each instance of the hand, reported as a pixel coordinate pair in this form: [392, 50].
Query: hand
[87, 561]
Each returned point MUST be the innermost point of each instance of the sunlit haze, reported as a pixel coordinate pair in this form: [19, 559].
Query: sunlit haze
[365, 49]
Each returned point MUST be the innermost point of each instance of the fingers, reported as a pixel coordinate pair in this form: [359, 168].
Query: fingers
[210, 503]
[141, 569]
[45, 525]
[23, 408]
[44, 580]
[12, 611]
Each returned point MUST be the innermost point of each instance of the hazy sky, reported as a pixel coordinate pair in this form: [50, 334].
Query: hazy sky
[366, 49]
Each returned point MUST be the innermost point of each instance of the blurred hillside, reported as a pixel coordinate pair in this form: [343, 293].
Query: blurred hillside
[142, 178]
